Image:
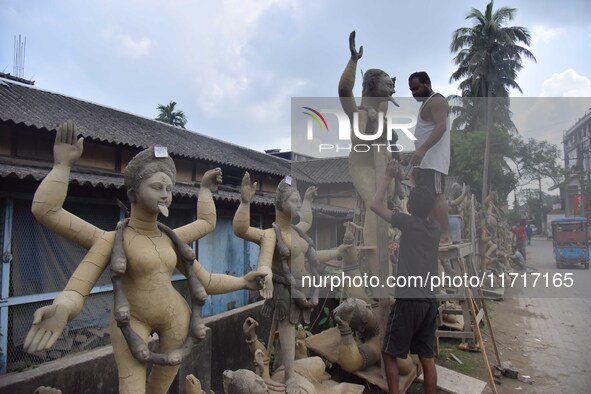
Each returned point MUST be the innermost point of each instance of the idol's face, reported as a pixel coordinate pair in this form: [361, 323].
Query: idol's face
[155, 192]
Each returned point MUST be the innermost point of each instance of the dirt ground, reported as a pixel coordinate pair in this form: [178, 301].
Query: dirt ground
[543, 330]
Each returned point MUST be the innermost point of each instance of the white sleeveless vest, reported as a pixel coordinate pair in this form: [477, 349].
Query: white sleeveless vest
[436, 158]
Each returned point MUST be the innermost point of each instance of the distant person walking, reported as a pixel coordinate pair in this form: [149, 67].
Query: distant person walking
[520, 238]
[528, 232]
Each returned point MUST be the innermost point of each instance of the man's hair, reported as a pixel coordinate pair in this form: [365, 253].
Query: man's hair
[144, 165]
[421, 75]
[421, 201]
[370, 77]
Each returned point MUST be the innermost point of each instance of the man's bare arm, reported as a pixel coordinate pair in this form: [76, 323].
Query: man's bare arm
[439, 111]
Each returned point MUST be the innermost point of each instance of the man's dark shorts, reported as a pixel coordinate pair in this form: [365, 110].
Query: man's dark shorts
[411, 326]
[431, 179]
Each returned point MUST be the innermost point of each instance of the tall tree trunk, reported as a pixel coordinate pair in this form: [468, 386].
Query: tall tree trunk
[487, 142]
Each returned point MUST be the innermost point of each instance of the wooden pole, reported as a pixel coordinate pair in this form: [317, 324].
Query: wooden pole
[477, 333]
[474, 268]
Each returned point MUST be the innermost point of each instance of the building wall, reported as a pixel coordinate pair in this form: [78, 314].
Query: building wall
[5, 140]
[98, 156]
[337, 194]
[577, 155]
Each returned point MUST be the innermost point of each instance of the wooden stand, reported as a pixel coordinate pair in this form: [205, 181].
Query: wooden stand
[458, 252]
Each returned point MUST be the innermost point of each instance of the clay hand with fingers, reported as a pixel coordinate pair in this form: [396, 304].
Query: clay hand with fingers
[267, 290]
[355, 55]
[255, 280]
[212, 179]
[67, 149]
[48, 324]
[311, 193]
[247, 190]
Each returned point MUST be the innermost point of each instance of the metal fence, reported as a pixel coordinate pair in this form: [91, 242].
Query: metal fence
[36, 265]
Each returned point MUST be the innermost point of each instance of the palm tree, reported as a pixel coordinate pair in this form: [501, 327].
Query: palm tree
[470, 114]
[169, 115]
[488, 59]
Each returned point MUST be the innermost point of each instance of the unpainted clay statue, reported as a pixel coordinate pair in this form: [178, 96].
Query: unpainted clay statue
[359, 352]
[301, 350]
[243, 381]
[309, 375]
[193, 385]
[46, 390]
[351, 268]
[458, 205]
[144, 256]
[284, 248]
[378, 88]
[487, 249]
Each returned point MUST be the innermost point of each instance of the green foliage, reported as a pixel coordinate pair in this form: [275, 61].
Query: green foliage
[167, 114]
[535, 159]
[466, 160]
[489, 56]
[489, 53]
[327, 321]
[470, 113]
[513, 217]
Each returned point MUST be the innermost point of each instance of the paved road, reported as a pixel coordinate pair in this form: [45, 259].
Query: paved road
[551, 326]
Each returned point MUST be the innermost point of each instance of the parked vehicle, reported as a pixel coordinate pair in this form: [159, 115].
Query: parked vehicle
[571, 242]
[549, 218]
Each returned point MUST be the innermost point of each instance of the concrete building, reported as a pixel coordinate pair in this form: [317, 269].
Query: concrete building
[577, 161]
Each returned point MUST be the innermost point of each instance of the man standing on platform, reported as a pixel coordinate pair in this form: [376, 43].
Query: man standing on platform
[432, 147]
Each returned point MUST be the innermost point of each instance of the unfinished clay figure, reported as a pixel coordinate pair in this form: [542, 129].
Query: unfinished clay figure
[357, 353]
[284, 249]
[145, 257]
[309, 372]
[378, 88]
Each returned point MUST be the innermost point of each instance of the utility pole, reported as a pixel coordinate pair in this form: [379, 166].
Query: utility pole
[540, 215]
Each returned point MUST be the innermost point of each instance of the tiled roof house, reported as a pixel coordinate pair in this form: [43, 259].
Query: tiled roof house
[37, 263]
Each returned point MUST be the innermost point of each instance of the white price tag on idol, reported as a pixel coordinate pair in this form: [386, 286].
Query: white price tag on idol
[160, 151]
[288, 180]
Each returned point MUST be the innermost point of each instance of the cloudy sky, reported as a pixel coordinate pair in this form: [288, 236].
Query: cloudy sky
[233, 66]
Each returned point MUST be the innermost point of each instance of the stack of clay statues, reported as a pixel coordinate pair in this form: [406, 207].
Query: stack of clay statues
[143, 253]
